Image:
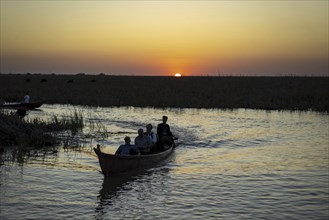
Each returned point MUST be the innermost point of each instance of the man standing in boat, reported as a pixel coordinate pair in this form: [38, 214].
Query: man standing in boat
[164, 133]
[143, 142]
[27, 98]
[127, 148]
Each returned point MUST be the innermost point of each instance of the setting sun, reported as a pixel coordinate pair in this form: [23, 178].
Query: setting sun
[197, 37]
[178, 75]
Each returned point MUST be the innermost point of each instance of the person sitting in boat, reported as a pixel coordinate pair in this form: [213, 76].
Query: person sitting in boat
[152, 136]
[27, 98]
[164, 134]
[127, 148]
[143, 142]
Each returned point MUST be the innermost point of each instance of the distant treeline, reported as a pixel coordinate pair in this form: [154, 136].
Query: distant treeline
[281, 93]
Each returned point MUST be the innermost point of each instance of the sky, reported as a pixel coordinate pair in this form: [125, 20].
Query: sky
[221, 38]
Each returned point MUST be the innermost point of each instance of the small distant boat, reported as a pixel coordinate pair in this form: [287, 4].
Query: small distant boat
[114, 164]
[21, 105]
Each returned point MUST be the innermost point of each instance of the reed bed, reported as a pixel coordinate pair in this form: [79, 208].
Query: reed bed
[26, 133]
[34, 138]
[278, 93]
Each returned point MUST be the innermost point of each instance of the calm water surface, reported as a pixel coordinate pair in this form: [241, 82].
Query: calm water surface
[241, 164]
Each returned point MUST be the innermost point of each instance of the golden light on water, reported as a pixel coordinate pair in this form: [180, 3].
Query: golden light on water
[178, 75]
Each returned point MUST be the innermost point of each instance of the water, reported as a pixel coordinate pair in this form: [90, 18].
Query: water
[241, 164]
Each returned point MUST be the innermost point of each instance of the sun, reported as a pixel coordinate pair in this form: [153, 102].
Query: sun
[178, 75]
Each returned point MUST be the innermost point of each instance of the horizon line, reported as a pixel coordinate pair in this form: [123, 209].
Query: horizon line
[183, 75]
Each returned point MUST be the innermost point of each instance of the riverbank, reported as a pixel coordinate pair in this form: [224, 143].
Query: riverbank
[278, 93]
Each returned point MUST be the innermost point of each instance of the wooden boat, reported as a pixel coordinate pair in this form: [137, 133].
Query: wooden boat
[24, 106]
[114, 164]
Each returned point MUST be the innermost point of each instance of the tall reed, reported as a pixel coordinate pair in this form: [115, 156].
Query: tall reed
[35, 132]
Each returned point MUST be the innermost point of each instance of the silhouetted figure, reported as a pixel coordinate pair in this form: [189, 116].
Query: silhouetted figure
[21, 112]
[27, 98]
[143, 142]
[164, 134]
[127, 148]
[152, 136]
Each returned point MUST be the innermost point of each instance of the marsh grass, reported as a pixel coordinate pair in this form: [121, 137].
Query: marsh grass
[97, 129]
[35, 132]
[73, 122]
[277, 93]
[28, 139]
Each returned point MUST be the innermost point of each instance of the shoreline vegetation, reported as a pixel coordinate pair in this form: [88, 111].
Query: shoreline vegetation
[31, 138]
[24, 138]
[269, 93]
[19, 131]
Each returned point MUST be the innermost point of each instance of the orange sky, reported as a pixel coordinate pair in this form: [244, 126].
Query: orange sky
[165, 37]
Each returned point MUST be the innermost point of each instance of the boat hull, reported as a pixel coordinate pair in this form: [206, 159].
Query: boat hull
[114, 164]
[24, 106]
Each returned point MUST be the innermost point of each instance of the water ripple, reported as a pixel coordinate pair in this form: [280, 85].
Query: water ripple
[241, 164]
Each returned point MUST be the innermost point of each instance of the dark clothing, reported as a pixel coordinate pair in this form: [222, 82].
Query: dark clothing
[165, 136]
[127, 149]
[163, 130]
[21, 112]
[153, 136]
[143, 144]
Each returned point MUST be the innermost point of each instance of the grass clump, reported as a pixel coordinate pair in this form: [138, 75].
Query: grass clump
[15, 130]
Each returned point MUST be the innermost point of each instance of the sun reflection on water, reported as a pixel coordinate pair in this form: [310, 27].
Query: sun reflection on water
[226, 163]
